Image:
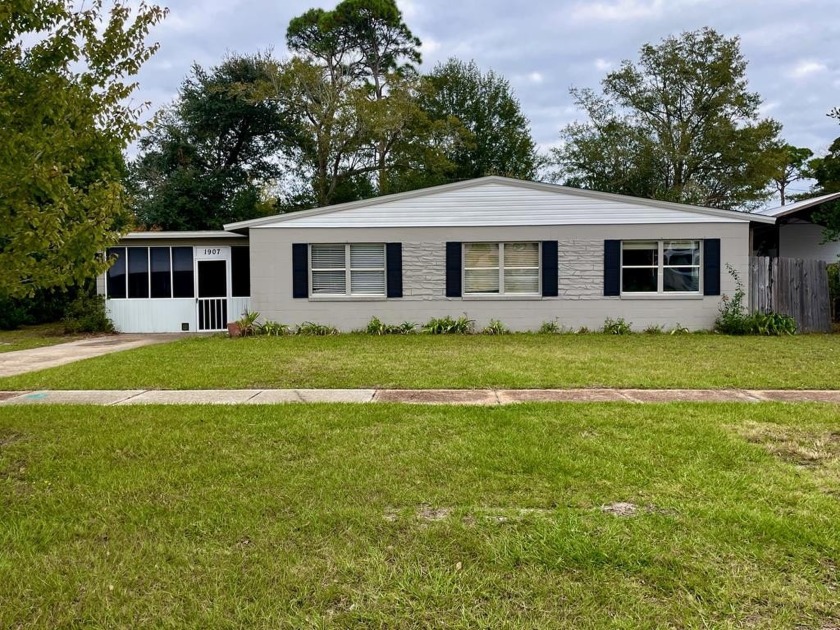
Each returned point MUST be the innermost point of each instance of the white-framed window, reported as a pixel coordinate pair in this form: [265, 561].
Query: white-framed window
[502, 268]
[347, 269]
[661, 266]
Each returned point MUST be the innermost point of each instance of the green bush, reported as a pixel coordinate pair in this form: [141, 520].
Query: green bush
[495, 327]
[377, 327]
[273, 329]
[549, 328]
[653, 329]
[449, 326]
[834, 290]
[617, 327]
[12, 314]
[316, 330]
[734, 320]
[86, 314]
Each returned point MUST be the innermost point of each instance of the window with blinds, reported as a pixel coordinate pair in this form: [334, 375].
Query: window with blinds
[502, 268]
[348, 269]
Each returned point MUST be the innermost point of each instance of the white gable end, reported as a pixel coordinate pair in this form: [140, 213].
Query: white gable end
[498, 204]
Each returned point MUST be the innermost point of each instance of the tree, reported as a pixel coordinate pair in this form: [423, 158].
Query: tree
[495, 136]
[348, 83]
[213, 150]
[65, 78]
[826, 171]
[692, 129]
[791, 166]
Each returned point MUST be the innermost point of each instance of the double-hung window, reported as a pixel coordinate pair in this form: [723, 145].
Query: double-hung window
[348, 269]
[660, 266]
[502, 268]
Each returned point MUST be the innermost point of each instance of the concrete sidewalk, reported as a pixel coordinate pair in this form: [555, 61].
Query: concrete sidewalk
[22, 361]
[419, 396]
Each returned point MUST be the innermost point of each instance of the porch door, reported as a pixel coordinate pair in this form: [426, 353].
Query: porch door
[212, 294]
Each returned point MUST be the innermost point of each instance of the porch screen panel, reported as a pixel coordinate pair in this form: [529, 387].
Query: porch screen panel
[161, 272]
[182, 272]
[116, 278]
[138, 272]
[240, 272]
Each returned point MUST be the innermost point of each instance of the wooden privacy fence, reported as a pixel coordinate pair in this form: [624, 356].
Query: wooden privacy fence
[794, 287]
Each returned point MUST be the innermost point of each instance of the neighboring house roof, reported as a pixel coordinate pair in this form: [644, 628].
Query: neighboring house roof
[180, 235]
[791, 208]
[498, 201]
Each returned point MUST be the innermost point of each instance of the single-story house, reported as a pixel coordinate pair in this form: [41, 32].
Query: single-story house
[796, 233]
[520, 252]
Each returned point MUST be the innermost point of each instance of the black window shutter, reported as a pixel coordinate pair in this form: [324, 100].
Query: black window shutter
[711, 266]
[393, 258]
[300, 270]
[549, 268]
[453, 269]
[612, 267]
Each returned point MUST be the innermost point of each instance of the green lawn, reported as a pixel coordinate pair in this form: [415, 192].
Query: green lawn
[425, 361]
[397, 516]
[34, 337]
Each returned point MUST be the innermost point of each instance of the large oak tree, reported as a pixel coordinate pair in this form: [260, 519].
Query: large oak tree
[680, 124]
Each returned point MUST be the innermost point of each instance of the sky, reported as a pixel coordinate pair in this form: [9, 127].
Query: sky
[544, 48]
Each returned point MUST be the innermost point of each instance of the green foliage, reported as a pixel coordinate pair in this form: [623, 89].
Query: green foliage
[213, 151]
[311, 329]
[495, 327]
[351, 84]
[270, 328]
[653, 329]
[550, 327]
[66, 78]
[86, 314]
[733, 319]
[583, 330]
[377, 327]
[494, 136]
[678, 125]
[449, 326]
[679, 330]
[12, 314]
[834, 289]
[791, 166]
[616, 327]
[248, 326]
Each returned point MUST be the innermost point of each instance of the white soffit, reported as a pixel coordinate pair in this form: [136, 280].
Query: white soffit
[499, 204]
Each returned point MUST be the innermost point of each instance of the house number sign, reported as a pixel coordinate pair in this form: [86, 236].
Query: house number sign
[212, 253]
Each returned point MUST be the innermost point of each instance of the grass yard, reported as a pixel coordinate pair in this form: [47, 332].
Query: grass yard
[426, 361]
[719, 516]
[27, 337]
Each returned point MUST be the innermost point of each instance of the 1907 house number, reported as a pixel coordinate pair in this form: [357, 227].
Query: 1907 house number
[214, 251]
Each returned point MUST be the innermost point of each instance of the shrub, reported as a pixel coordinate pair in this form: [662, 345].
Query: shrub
[617, 326]
[549, 328]
[12, 314]
[273, 329]
[86, 314]
[734, 320]
[834, 290]
[449, 326]
[679, 330]
[316, 330]
[583, 330]
[495, 327]
[248, 323]
[377, 327]
[653, 329]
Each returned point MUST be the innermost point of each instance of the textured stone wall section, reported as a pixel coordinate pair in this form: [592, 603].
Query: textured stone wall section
[424, 271]
[581, 269]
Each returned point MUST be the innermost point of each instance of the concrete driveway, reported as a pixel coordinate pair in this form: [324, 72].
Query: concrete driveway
[22, 361]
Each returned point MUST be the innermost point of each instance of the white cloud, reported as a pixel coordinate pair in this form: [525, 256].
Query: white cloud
[618, 11]
[806, 68]
[408, 9]
[429, 46]
[603, 65]
[535, 77]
